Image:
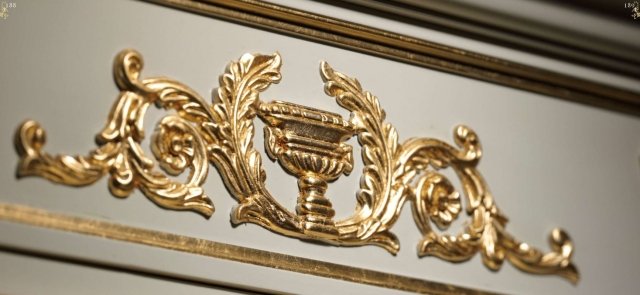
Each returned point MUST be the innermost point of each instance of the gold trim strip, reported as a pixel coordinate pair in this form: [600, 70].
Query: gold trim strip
[42, 218]
[412, 51]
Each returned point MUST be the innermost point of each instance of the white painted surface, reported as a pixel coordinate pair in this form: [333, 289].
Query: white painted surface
[24, 275]
[189, 269]
[549, 162]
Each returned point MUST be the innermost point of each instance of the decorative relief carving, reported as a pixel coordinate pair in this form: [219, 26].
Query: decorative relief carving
[309, 144]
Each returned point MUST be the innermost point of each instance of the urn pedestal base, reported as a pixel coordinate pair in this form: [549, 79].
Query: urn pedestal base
[315, 209]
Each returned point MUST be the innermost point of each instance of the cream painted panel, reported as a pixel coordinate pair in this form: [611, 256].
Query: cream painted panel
[24, 274]
[188, 269]
[549, 162]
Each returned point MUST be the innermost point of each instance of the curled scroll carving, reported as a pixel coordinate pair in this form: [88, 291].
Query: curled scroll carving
[309, 144]
[119, 153]
[435, 200]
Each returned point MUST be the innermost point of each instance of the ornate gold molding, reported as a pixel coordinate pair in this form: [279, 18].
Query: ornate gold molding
[209, 249]
[309, 144]
[408, 49]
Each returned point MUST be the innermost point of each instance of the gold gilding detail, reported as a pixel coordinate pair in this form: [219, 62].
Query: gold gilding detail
[309, 144]
[210, 249]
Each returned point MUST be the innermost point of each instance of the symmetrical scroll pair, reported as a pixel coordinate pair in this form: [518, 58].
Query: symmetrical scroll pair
[309, 144]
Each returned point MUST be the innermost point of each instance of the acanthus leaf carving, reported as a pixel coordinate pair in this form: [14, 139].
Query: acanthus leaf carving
[379, 141]
[309, 144]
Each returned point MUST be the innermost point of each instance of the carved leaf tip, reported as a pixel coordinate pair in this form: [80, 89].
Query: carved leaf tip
[325, 71]
[467, 139]
[29, 138]
[127, 66]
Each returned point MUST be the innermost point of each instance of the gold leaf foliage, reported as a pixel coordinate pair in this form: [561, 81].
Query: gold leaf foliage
[309, 144]
[119, 153]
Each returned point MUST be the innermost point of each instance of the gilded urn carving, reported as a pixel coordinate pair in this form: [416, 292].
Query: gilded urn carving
[309, 144]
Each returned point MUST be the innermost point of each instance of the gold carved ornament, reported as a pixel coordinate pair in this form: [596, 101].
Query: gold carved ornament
[306, 142]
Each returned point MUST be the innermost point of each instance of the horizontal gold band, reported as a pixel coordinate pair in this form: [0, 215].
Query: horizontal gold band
[42, 218]
[412, 51]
